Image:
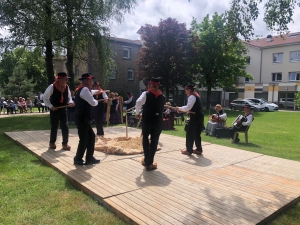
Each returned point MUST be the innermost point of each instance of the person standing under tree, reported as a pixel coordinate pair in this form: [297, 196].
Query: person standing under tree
[153, 105]
[194, 127]
[84, 102]
[99, 109]
[58, 95]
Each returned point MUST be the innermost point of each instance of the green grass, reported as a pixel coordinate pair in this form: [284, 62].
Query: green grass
[33, 193]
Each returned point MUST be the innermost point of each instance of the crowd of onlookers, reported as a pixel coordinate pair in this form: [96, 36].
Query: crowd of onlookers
[21, 105]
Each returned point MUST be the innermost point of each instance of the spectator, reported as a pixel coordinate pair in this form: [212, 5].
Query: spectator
[29, 104]
[2, 104]
[10, 105]
[22, 105]
[39, 104]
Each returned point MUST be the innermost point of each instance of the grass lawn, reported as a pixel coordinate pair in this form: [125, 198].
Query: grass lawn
[33, 193]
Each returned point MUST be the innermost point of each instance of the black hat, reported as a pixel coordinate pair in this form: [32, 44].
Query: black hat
[86, 76]
[155, 80]
[128, 93]
[61, 75]
[190, 86]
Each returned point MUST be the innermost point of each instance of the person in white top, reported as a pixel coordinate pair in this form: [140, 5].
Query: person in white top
[217, 120]
[85, 102]
[244, 121]
[58, 97]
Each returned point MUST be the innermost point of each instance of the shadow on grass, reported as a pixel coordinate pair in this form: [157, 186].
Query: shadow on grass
[250, 145]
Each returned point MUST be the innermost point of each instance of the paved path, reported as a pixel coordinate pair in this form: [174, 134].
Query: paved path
[222, 186]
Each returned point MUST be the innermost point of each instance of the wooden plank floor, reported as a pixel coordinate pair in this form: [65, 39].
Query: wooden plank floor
[222, 186]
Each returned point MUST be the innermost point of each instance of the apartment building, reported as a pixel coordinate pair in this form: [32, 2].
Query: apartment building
[274, 62]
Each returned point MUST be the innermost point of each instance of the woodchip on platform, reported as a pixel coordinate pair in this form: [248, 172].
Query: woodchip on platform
[222, 186]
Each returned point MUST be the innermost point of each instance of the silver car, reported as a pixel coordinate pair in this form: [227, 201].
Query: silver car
[269, 107]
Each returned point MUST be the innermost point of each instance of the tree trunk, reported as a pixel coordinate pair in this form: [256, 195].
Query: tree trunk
[70, 51]
[49, 61]
[208, 100]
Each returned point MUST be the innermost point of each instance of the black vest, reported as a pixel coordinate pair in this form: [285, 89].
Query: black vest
[101, 105]
[56, 95]
[83, 110]
[197, 108]
[131, 104]
[153, 107]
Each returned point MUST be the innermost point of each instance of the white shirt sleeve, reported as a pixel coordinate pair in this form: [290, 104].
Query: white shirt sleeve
[249, 120]
[104, 95]
[223, 116]
[190, 104]
[129, 100]
[47, 95]
[69, 97]
[86, 95]
[140, 101]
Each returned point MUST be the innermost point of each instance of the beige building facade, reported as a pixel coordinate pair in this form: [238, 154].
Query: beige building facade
[274, 63]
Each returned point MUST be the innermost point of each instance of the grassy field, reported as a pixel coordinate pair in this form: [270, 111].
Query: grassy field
[33, 193]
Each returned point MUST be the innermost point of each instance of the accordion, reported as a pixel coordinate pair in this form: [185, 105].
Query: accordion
[239, 117]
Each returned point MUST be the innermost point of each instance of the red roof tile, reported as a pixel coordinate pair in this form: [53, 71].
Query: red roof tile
[285, 39]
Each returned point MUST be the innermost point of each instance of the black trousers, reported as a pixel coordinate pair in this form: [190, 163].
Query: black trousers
[193, 133]
[86, 140]
[59, 116]
[99, 122]
[233, 129]
[152, 128]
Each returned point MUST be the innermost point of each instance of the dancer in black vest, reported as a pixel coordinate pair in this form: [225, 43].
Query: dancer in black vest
[56, 95]
[99, 109]
[84, 102]
[153, 105]
[195, 124]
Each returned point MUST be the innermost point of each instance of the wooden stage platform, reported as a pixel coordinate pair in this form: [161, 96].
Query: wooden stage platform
[222, 186]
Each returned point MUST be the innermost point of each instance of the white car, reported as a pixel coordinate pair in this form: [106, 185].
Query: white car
[269, 107]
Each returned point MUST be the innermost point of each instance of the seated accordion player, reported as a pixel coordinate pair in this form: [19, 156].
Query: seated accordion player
[239, 118]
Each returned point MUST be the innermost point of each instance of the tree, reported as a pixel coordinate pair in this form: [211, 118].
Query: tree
[18, 84]
[297, 99]
[165, 54]
[33, 63]
[218, 59]
[64, 23]
[278, 14]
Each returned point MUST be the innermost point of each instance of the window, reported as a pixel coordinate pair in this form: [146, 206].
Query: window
[130, 75]
[126, 53]
[276, 76]
[277, 58]
[295, 56]
[113, 74]
[246, 80]
[248, 60]
[294, 76]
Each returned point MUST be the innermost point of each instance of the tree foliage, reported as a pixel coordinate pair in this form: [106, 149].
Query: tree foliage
[164, 54]
[297, 99]
[278, 14]
[33, 65]
[61, 24]
[18, 85]
[219, 59]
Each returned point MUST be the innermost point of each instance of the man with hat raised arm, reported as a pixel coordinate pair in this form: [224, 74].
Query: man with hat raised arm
[194, 127]
[84, 102]
[58, 97]
[153, 105]
[246, 121]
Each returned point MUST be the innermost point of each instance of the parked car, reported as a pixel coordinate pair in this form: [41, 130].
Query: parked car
[239, 105]
[268, 106]
[286, 102]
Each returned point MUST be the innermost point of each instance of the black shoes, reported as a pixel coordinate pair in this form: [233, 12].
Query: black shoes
[92, 161]
[237, 140]
[78, 162]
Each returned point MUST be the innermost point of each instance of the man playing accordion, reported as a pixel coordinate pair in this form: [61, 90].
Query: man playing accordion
[242, 124]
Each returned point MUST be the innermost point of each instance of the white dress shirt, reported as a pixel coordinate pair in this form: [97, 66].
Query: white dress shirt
[49, 92]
